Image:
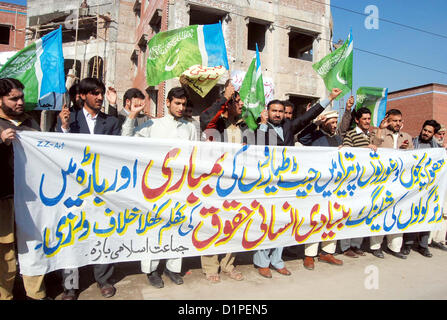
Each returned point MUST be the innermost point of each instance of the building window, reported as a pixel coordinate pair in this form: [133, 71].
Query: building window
[153, 100]
[4, 34]
[300, 45]
[95, 68]
[155, 22]
[69, 63]
[204, 15]
[256, 35]
[300, 103]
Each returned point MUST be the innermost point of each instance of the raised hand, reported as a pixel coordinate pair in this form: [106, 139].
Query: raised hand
[334, 93]
[64, 115]
[111, 96]
[136, 106]
[229, 90]
[264, 116]
[349, 103]
[384, 123]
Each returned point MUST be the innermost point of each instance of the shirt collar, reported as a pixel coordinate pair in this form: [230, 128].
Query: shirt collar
[17, 122]
[88, 115]
[359, 131]
[170, 117]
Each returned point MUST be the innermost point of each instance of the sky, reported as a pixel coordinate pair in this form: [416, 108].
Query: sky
[391, 40]
[395, 41]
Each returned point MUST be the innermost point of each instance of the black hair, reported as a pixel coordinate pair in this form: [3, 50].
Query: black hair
[393, 112]
[432, 123]
[88, 85]
[276, 101]
[8, 84]
[132, 93]
[288, 103]
[177, 92]
[360, 112]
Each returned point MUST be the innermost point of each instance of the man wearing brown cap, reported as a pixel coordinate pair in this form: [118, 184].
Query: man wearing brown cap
[325, 133]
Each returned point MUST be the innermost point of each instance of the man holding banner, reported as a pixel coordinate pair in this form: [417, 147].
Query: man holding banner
[171, 126]
[389, 135]
[90, 120]
[12, 118]
[359, 137]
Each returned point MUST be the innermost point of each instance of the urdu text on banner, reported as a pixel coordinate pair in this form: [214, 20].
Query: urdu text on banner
[94, 199]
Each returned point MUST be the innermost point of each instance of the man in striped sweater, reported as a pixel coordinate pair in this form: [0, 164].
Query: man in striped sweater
[359, 137]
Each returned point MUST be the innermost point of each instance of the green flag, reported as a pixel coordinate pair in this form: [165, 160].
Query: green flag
[252, 93]
[171, 52]
[375, 100]
[40, 67]
[336, 68]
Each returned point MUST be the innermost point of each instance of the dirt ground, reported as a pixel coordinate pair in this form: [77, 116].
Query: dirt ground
[365, 278]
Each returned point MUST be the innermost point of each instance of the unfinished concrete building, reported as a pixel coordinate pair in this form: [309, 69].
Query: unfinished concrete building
[291, 36]
[97, 37]
[108, 39]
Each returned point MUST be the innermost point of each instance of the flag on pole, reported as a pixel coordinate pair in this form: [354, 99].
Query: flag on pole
[171, 52]
[40, 67]
[375, 100]
[252, 93]
[336, 68]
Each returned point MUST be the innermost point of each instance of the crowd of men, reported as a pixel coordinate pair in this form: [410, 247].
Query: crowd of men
[222, 121]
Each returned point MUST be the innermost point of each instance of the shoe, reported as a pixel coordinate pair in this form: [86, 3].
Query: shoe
[425, 252]
[69, 294]
[155, 280]
[308, 263]
[329, 258]
[358, 251]
[438, 245]
[283, 271]
[174, 276]
[378, 253]
[107, 290]
[397, 254]
[265, 272]
[350, 253]
[406, 250]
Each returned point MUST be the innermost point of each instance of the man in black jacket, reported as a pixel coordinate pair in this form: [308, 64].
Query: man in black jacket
[276, 127]
[90, 120]
[275, 130]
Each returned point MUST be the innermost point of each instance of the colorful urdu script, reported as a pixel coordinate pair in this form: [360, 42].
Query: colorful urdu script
[95, 199]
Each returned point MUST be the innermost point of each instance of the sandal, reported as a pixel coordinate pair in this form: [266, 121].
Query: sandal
[235, 275]
[213, 278]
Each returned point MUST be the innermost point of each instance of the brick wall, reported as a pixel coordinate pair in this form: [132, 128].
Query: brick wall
[419, 104]
[14, 16]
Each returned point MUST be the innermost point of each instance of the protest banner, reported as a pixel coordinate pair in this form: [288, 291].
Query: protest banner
[94, 199]
[202, 79]
[40, 67]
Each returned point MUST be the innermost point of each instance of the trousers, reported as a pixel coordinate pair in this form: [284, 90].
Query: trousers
[345, 244]
[263, 258]
[211, 264]
[34, 285]
[173, 265]
[101, 272]
[394, 242]
[311, 249]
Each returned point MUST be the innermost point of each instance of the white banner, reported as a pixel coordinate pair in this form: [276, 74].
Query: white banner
[87, 199]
